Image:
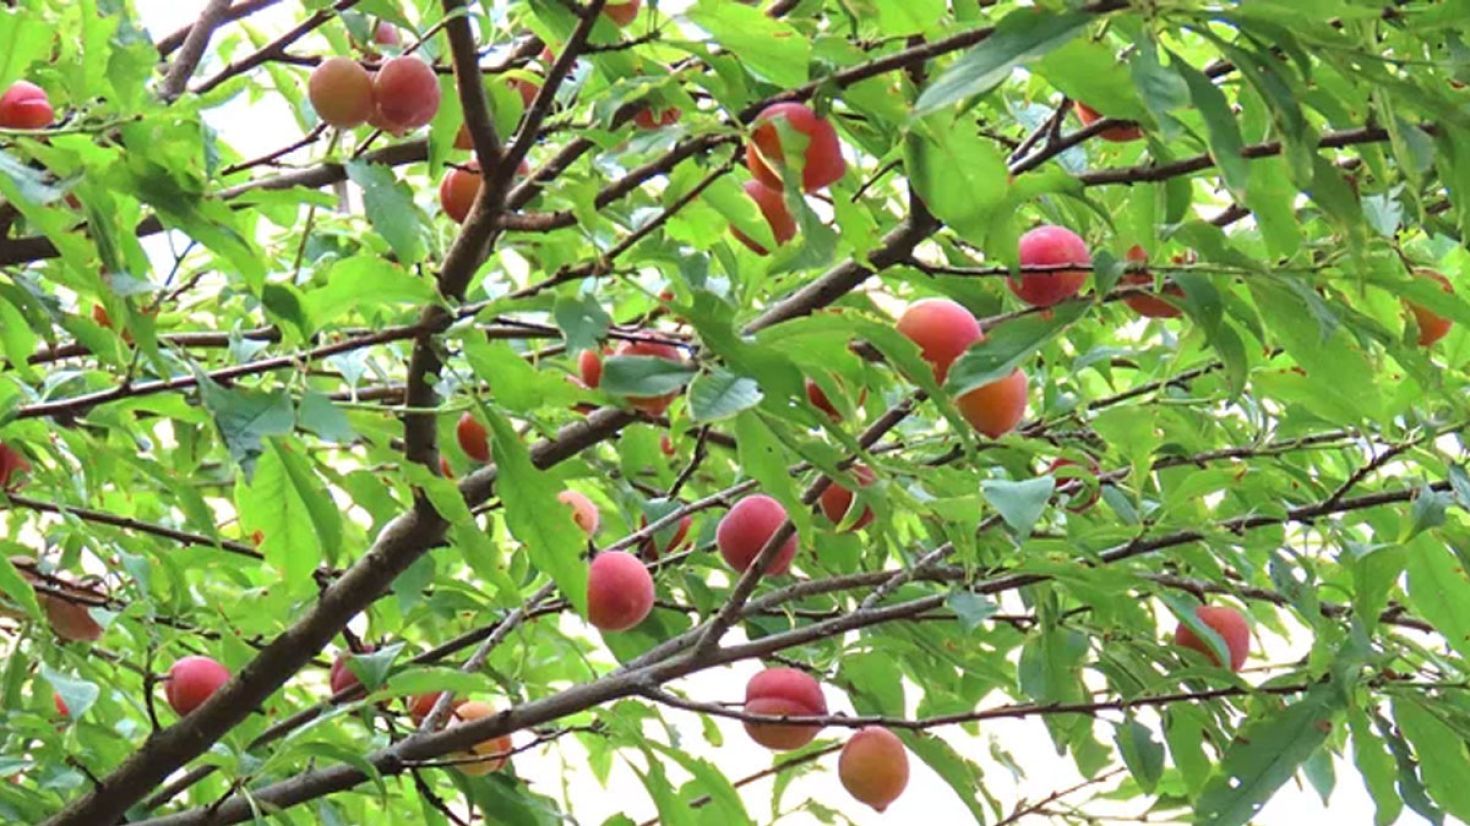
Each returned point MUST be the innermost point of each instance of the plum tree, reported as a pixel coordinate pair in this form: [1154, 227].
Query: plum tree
[619, 591]
[874, 766]
[1050, 246]
[1225, 621]
[943, 329]
[341, 92]
[1149, 306]
[192, 680]
[25, 106]
[996, 408]
[1432, 326]
[1122, 133]
[584, 512]
[822, 163]
[407, 94]
[621, 14]
[492, 754]
[261, 471]
[746, 528]
[783, 692]
[652, 405]
[773, 206]
[836, 500]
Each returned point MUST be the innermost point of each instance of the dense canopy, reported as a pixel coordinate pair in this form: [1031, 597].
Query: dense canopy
[563, 366]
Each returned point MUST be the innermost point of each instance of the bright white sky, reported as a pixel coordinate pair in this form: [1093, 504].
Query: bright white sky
[257, 127]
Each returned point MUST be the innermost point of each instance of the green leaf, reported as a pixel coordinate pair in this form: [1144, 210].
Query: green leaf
[1009, 345]
[24, 39]
[1375, 763]
[1022, 36]
[1020, 503]
[273, 503]
[1089, 71]
[582, 320]
[1142, 754]
[770, 49]
[960, 175]
[1264, 755]
[535, 516]
[971, 608]
[326, 519]
[514, 383]
[1221, 126]
[640, 376]
[720, 394]
[319, 415]
[14, 585]
[1439, 591]
[424, 679]
[1441, 752]
[245, 417]
[390, 208]
[78, 694]
[365, 282]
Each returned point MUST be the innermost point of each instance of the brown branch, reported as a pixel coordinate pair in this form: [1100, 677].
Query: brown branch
[192, 50]
[276, 47]
[244, 8]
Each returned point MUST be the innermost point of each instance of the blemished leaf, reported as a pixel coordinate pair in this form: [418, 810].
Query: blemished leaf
[720, 394]
[1020, 503]
[1023, 35]
[390, 208]
[1264, 755]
